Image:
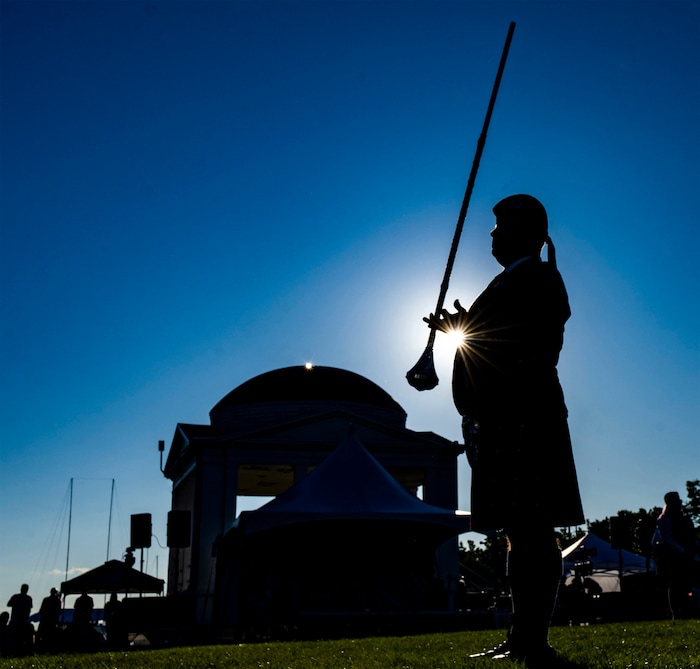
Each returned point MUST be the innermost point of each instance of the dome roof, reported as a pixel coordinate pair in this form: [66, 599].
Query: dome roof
[323, 387]
[314, 383]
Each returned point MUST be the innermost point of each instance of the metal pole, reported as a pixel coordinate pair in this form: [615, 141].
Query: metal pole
[109, 525]
[422, 376]
[70, 520]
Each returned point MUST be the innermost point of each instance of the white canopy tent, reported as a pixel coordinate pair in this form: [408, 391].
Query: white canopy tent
[607, 564]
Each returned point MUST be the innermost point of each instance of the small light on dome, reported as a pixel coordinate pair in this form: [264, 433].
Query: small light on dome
[308, 365]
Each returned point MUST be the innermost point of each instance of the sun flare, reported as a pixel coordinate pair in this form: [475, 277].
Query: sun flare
[453, 339]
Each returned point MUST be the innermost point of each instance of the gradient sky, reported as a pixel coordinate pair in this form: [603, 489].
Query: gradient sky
[194, 193]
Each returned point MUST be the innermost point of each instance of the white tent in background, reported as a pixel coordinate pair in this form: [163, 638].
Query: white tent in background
[607, 564]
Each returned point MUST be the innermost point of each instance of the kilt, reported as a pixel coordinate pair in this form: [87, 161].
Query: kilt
[523, 473]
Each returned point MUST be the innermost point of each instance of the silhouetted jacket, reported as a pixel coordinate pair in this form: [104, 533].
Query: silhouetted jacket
[505, 379]
[675, 532]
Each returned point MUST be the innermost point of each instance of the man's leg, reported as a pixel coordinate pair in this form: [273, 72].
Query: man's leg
[534, 573]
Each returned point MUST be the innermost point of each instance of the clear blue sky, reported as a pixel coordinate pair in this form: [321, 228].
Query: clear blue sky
[194, 193]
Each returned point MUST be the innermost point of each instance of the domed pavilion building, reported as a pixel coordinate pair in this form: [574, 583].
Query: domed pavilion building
[345, 535]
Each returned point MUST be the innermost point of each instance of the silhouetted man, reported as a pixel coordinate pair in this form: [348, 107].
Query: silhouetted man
[50, 613]
[117, 636]
[675, 546]
[82, 610]
[21, 631]
[21, 605]
[506, 387]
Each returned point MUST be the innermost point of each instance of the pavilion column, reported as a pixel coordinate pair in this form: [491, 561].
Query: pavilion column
[210, 514]
[440, 487]
[231, 492]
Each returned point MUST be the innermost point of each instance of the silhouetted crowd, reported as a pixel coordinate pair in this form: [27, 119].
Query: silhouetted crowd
[57, 630]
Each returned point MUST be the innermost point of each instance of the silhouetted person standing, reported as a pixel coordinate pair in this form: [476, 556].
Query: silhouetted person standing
[21, 605]
[20, 629]
[4, 634]
[506, 387]
[117, 636]
[82, 610]
[48, 625]
[675, 547]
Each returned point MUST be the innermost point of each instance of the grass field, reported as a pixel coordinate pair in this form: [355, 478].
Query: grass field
[638, 645]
